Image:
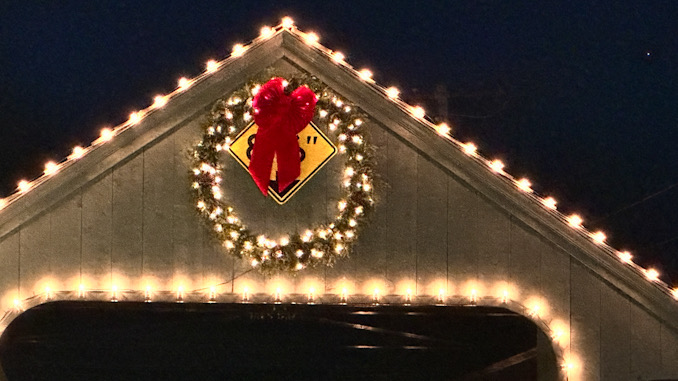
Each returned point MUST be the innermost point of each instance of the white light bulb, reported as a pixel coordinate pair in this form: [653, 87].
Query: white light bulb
[599, 237]
[184, 83]
[51, 168]
[574, 221]
[550, 203]
[365, 75]
[134, 117]
[338, 57]
[238, 50]
[24, 186]
[106, 134]
[418, 112]
[211, 66]
[443, 129]
[77, 153]
[311, 38]
[287, 22]
[524, 185]
[652, 274]
[625, 256]
[469, 148]
[392, 92]
[159, 101]
[266, 32]
[496, 166]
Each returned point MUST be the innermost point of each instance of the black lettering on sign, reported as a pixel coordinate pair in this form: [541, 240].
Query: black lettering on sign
[250, 145]
[308, 140]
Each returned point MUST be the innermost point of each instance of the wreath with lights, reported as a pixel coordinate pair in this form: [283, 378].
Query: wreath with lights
[318, 245]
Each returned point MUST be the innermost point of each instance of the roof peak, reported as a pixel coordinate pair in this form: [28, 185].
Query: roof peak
[417, 113]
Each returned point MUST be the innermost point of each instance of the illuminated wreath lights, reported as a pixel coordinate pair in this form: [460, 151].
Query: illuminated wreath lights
[323, 244]
[392, 93]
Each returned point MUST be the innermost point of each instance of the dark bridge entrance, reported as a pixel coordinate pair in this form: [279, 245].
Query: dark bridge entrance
[162, 341]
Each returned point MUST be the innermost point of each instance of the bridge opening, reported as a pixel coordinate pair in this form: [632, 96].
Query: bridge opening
[73, 340]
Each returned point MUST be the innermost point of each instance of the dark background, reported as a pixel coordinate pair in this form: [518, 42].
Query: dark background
[580, 97]
[104, 341]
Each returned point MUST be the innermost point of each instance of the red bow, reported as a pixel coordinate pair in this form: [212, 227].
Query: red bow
[280, 118]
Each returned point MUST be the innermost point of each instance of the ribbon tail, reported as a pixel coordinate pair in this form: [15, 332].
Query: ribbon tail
[262, 162]
[289, 163]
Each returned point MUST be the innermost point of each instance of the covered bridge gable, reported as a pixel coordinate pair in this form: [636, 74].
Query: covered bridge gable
[445, 226]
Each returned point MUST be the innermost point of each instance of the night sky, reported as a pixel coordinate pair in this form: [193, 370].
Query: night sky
[580, 98]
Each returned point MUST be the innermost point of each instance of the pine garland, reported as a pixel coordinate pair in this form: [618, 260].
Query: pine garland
[319, 245]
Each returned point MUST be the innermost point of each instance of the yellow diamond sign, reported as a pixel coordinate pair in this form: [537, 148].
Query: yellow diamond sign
[314, 147]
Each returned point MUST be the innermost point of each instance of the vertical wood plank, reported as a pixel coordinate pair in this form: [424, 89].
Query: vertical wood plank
[127, 223]
[398, 247]
[614, 336]
[525, 262]
[35, 255]
[462, 227]
[159, 195]
[9, 269]
[431, 250]
[186, 226]
[96, 233]
[493, 234]
[585, 321]
[669, 352]
[65, 239]
[555, 282]
[645, 344]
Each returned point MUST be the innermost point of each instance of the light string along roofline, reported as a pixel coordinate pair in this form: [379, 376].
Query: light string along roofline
[392, 93]
[496, 166]
[533, 308]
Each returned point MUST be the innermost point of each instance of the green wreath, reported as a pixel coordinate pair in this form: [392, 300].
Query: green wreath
[322, 244]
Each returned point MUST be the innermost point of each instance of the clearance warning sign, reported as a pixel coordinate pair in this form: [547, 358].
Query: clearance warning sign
[315, 149]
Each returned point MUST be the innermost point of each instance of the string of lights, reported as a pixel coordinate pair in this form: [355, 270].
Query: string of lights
[535, 308]
[345, 293]
[312, 39]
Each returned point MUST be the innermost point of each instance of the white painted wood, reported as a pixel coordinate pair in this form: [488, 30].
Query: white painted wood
[585, 321]
[96, 234]
[645, 342]
[431, 223]
[158, 199]
[462, 225]
[127, 221]
[35, 256]
[615, 347]
[9, 270]
[65, 243]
